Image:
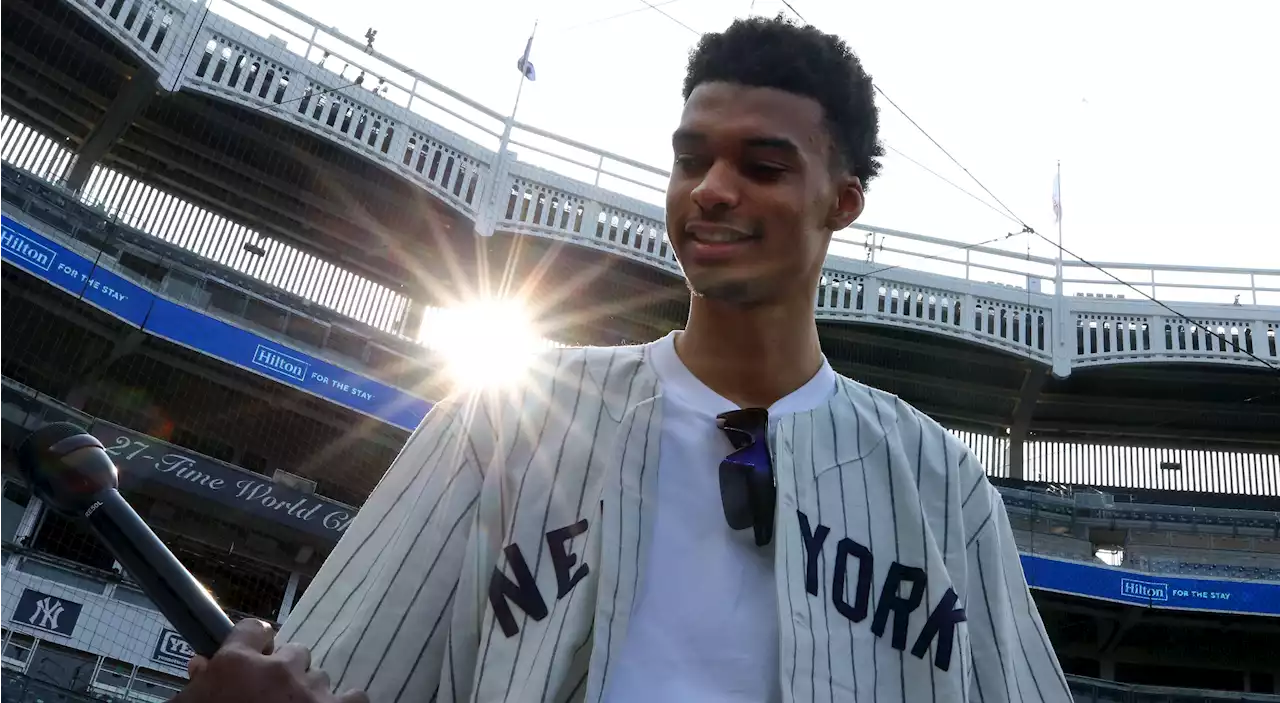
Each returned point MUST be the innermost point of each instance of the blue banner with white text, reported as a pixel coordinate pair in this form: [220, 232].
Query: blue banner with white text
[177, 323]
[1152, 590]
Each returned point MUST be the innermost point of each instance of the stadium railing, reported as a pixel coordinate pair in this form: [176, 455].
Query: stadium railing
[1159, 538]
[1097, 507]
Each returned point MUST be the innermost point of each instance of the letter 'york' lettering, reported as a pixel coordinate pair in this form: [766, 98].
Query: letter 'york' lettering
[812, 548]
[941, 623]
[891, 601]
[523, 591]
[862, 594]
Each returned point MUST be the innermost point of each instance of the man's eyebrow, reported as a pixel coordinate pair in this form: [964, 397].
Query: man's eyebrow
[779, 143]
[690, 137]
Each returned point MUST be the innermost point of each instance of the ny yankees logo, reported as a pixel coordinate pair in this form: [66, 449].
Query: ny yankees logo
[46, 612]
[45, 617]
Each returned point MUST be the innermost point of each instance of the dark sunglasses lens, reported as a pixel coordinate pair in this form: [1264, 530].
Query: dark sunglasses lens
[762, 517]
[735, 496]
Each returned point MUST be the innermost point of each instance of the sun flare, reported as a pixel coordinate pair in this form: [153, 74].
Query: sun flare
[484, 343]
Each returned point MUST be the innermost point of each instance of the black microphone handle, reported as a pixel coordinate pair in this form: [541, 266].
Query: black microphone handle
[164, 579]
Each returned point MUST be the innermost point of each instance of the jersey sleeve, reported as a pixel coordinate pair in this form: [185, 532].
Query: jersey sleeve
[1013, 659]
[377, 615]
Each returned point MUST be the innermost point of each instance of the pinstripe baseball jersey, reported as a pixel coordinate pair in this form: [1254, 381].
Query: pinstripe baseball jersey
[499, 557]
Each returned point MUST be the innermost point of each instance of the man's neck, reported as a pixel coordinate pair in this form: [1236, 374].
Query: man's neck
[751, 356]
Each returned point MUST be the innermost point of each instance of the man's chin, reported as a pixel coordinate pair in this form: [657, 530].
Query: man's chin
[740, 292]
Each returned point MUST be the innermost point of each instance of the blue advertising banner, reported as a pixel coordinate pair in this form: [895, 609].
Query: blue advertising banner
[141, 308]
[1151, 590]
[70, 272]
[249, 351]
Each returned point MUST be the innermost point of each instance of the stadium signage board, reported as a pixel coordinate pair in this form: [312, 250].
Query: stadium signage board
[45, 612]
[172, 649]
[1151, 590]
[141, 458]
[193, 329]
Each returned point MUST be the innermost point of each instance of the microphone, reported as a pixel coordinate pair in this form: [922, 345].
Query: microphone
[70, 470]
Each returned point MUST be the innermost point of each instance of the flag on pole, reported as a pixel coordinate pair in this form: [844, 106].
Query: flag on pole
[524, 64]
[1057, 197]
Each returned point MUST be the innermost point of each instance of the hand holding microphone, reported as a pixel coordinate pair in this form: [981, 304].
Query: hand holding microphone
[71, 471]
[248, 668]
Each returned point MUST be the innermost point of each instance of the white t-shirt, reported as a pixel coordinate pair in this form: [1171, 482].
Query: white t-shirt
[705, 624]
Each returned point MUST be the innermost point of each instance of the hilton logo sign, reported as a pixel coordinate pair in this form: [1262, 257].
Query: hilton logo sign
[30, 251]
[281, 363]
[1144, 590]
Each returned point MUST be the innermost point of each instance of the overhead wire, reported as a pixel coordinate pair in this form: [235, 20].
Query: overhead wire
[657, 9]
[948, 154]
[951, 183]
[1181, 416]
[939, 256]
[793, 11]
[1063, 250]
[601, 20]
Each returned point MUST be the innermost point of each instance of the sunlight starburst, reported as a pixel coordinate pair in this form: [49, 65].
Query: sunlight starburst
[484, 343]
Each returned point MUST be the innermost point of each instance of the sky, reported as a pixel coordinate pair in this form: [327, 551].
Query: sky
[1163, 115]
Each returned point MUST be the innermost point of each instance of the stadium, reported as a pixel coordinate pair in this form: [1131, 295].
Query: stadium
[184, 278]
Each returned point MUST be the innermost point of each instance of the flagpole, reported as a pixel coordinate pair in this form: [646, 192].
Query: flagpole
[488, 215]
[1061, 353]
[1058, 181]
[505, 143]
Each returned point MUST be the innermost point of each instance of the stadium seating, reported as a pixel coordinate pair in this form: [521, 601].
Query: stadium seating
[1154, 538]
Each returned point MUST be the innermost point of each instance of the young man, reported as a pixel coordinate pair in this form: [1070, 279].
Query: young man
[619, 529]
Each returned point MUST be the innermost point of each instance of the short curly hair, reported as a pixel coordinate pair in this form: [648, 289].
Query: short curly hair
[776, 53]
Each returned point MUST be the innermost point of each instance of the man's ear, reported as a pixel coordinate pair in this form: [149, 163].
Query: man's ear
[848, 203]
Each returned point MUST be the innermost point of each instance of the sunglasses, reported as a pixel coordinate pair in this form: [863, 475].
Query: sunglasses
[748, 488]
